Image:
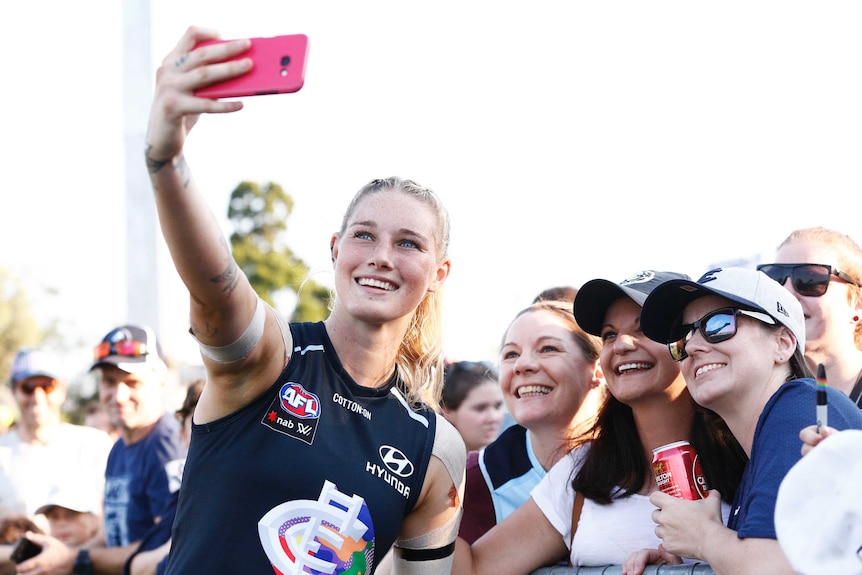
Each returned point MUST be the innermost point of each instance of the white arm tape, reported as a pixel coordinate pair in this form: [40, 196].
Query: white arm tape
[241, 347]
[433, 552]
[425, 555]
[449, 448]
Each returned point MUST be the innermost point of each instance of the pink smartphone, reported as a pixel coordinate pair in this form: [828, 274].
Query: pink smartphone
[279, 68]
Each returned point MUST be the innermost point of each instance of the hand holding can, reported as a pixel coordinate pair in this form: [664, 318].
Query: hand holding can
[677, 471]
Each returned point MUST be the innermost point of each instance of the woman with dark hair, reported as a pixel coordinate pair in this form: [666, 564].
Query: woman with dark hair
[593, 508]
[472, 402]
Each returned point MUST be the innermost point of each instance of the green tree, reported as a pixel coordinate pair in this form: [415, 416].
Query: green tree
[18, 326]
[259, 216]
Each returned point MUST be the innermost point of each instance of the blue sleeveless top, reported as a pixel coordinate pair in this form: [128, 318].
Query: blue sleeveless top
[315, 475]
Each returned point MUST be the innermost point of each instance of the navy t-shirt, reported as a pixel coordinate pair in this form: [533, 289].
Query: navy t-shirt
[137, 489]
[777, 447]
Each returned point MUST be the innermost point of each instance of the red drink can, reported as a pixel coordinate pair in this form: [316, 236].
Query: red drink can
[677, 471]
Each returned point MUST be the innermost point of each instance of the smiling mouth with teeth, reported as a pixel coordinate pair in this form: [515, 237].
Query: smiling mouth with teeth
[533, 391]
[376, 284]
[706, 368]
[635, 366]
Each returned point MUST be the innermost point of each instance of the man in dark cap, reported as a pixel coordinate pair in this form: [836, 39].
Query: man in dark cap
[131, 374]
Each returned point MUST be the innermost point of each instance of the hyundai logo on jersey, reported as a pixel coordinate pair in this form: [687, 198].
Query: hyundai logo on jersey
[395, 461]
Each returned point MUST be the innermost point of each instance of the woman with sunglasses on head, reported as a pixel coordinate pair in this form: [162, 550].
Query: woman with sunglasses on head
[822, 268]
[740, 339]
[592, 508]
[315, 446]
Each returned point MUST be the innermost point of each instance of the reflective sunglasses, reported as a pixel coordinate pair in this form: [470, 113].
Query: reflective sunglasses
[808, 279]
[715, 327]
[29, 387]
[128, 348]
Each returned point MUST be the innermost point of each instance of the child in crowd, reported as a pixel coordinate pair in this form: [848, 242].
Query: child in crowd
[73, 511]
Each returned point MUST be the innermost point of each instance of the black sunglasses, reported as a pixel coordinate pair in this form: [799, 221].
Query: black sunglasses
[810, 280]
[715, 327]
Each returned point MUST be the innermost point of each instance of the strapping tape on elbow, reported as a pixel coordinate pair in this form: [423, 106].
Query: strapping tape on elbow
[241, 347]
[437, 544]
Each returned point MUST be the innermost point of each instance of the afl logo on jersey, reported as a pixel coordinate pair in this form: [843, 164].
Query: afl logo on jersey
[299, 402]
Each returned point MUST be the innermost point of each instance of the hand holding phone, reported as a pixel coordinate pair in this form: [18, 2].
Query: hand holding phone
[279, 68]
[24, 549]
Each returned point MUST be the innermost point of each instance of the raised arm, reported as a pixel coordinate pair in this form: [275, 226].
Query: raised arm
[223, 302]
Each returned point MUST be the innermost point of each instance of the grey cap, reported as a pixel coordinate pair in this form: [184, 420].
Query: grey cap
[32, 362]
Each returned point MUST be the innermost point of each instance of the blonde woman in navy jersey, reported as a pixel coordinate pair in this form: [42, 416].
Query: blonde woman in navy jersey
[315, 445]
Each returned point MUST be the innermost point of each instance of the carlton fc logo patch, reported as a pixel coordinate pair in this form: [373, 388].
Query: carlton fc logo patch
[294, 412]
[333, 535]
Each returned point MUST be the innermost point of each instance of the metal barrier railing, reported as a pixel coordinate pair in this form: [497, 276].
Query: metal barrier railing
[692, 569]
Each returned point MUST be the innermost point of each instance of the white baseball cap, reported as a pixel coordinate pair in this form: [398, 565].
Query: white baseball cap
[75, 494]
[662, 310]
[818, 512]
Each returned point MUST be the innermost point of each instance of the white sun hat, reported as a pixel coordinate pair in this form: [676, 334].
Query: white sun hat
[818, 513]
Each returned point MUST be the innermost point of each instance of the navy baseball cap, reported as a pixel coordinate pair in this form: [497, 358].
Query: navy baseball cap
[132, 348]
[596, 296]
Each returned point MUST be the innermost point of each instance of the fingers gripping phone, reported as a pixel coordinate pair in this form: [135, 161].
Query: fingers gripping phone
[279, 68]
[24, 549]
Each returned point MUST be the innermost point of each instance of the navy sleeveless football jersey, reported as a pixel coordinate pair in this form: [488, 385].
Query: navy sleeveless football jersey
[316, 475]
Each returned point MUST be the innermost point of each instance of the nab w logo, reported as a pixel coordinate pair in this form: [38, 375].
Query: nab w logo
[395, 461]
[299, 402]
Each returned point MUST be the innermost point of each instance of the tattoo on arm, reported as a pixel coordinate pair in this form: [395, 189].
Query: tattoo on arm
[182, 168]
[206, 330]
[154, 166]
[230, 276]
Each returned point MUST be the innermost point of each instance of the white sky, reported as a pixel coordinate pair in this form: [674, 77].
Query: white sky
[569, 140]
